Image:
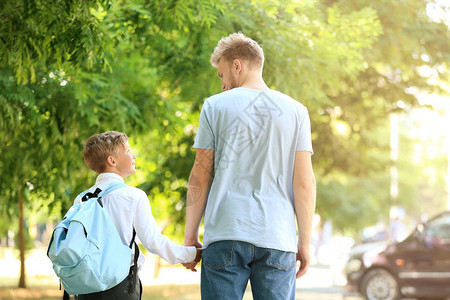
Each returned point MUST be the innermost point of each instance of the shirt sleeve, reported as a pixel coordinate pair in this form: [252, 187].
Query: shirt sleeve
[304, 142]
[152, 239]
[205, 134]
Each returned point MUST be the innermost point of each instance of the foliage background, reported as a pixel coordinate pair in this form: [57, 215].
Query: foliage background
[69, 69]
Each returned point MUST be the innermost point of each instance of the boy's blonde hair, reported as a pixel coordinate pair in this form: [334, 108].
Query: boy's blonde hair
[99, 146]
[239, 46]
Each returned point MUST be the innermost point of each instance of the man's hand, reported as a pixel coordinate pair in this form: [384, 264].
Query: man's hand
[191, 266]
[304, 186]
[304, 258]
[199, 184]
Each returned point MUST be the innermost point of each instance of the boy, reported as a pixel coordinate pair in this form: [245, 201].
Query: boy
[110, 156]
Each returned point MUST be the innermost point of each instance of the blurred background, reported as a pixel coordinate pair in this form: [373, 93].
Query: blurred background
[373, 74]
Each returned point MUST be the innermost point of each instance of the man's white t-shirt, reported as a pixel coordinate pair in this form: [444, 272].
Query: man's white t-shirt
[254, 135]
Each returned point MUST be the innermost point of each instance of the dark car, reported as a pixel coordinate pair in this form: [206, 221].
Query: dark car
[418, 267]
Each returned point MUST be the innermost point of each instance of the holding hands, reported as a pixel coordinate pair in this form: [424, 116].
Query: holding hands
[191, 266]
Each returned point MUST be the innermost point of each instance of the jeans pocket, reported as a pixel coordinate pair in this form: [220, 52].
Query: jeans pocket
[281, 260]
[218, 255]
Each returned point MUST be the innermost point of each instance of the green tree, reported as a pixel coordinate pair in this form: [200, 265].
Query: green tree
[307, 51]
[71, 69]
[57, 34]
[55, 91]
[423, 165]
[344, 128]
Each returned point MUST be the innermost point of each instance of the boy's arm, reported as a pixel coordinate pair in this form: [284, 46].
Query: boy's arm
[150, 235]
[199, 185]
[304, 186]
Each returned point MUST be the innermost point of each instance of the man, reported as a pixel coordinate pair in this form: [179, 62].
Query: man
[252, 177]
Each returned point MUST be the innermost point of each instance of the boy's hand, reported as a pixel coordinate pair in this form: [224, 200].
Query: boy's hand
[198, 256]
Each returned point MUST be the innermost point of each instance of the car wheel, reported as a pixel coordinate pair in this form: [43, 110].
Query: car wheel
[379, 284]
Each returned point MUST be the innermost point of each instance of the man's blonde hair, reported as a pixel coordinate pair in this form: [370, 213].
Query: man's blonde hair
[238, 46]
[99, 146]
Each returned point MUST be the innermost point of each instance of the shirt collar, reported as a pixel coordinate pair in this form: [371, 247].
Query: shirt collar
[108, 177]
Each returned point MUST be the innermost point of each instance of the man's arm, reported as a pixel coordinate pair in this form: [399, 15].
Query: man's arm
[198, 189]
[304, 185]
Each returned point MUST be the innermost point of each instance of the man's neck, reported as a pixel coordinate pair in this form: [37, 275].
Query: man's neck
[254, 81]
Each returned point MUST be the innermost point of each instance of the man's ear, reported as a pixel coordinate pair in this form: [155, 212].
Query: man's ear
[111, 161]
[237, 65]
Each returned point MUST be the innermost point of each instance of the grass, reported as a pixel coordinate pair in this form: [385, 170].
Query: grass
[45, 287]
[154, 292]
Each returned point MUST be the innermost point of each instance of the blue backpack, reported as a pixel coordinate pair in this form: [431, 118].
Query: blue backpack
[85, 248]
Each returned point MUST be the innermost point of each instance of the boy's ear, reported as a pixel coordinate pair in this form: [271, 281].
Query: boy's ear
[111, 161]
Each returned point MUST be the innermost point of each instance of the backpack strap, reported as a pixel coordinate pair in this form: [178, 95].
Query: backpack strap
[132, 239]
[98, 193]
[136, 248]
[112, 187]
[134, 269]
[88, 195]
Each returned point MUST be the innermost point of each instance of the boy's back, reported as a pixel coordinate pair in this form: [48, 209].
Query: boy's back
[129, 208]
[110, 156]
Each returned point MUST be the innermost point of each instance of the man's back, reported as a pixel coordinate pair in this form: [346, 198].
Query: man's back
[255, 135]
[257, 142]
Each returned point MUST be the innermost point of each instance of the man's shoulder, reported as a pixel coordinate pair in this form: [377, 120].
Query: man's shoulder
[220, 99]
[288, 99]
[219, 96]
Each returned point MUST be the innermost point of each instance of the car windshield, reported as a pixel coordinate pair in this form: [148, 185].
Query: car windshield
[439, 230]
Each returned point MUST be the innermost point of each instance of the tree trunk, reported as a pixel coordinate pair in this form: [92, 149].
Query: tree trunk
[22, 283]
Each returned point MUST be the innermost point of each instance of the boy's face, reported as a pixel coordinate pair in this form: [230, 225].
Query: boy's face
[125, 165]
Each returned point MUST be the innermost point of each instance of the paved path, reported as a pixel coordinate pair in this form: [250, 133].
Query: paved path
[317, 284]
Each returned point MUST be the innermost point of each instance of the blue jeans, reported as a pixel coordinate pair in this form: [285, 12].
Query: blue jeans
[228, 265]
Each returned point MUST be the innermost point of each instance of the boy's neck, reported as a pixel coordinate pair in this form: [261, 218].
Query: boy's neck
[111, 170]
